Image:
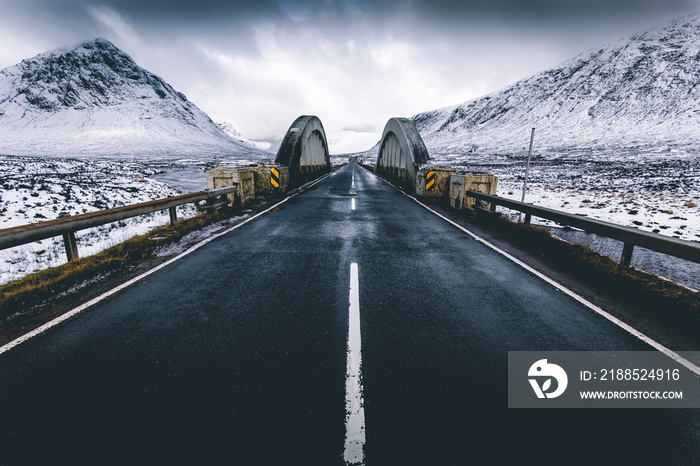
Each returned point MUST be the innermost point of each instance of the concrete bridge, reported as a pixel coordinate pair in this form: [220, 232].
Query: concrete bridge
[304, 150]
[347, 324]
[401, 152]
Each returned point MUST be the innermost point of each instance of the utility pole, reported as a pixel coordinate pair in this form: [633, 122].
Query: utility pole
[527, 170]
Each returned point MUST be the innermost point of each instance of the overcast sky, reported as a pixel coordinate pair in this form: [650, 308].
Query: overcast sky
[259, 64]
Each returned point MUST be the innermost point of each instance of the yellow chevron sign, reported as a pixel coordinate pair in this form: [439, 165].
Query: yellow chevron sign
[275, 177]
[430, 181]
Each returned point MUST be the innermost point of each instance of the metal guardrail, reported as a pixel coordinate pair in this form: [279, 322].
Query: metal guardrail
[67, 226]
[631, 237]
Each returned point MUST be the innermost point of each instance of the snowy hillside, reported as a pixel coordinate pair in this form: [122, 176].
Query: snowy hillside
[636, 96]
[94, 100]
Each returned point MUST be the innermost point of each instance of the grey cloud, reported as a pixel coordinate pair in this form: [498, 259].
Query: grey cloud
[546, 8]
[461, 48]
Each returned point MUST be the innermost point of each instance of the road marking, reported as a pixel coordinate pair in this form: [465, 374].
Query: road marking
[39, 330]
[352, 204]
[628, 328]
[354, 404]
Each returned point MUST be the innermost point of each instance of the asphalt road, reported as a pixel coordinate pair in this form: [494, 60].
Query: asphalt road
[237, 353]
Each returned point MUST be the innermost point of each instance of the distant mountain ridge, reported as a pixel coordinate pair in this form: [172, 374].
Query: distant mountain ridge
[639, 95]
[233, 133]
[94, 99]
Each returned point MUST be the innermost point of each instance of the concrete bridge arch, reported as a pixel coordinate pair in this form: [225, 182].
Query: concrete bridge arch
[304, 150]
[401, 151]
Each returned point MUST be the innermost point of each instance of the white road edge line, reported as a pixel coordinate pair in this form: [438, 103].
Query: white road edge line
[352, 204]
[354, 404]
[39, 330]
[648, 340]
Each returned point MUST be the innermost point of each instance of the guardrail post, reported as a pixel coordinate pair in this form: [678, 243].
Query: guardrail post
[71, 246]
[627, 250]
[528, 219]
[173, 216]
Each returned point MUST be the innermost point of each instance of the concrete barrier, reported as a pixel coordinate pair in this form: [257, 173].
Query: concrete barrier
[461, 182]
[270, 178]
[226, 176]
[434, 181]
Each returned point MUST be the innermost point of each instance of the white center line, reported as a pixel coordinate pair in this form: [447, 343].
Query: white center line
[352, 204]
[354, 404]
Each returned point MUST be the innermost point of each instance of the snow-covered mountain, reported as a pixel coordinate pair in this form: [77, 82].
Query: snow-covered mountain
[636, 96]
[94, 100]
[232, 132]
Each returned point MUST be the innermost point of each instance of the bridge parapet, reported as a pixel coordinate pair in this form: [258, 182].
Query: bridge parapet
[304, 150]
[460, 183]
[434, 181]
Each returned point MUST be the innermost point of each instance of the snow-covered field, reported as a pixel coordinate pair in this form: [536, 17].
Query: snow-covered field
[660, 195]
[664, 213]
[35, 189]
